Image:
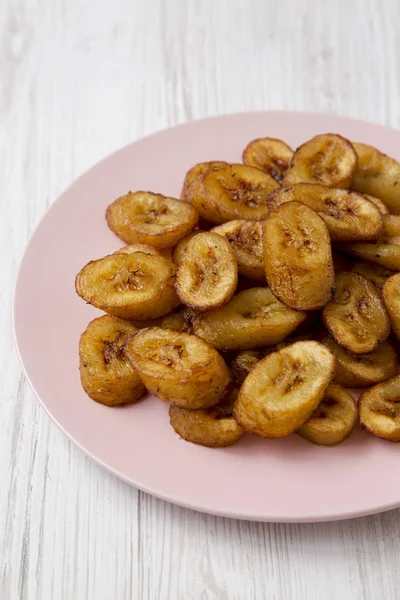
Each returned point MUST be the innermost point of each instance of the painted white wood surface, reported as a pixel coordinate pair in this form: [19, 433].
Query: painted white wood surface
[78, 79]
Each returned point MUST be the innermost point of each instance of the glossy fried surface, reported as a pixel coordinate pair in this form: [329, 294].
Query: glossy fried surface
[270, 155]
[391, 296]
[245, 237]
[379, 409]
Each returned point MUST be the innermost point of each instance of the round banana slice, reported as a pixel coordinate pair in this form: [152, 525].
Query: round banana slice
[356, 317]
[132, 248]
[298, 257]
[375, 273]
[196, 171]
[270, 155]
[328, 159]
[282, 391]
[348, 216]
[383, 254]
[362, 370]
[391, 296]
[231, 192]
[208, 272]
[106, 374]
[379, 409]
[213, 427]
[377, 175]
[181, 247]
[245, 237]
[131, 286]
[333, 420]
[152, 219]
[178, 368]
[252, 319]
[182, 320]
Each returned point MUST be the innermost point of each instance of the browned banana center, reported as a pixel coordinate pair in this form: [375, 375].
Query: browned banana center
[206, 271]
[261, 311]
[170, 355]
[278, 169]
[246, 192]
[392, 411]
[128, 280]
[114, 350]
[325, 162]
[242, 238]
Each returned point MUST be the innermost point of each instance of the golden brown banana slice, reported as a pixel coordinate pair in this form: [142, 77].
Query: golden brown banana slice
[132, 248]
[379, 409]
[298, 257]
[270, 155]
[196, 171]
[213, 427]
[333, 420]
[383, 254]
[231, 192]
[147, 218]
[391, 296]
[328, 159]
[391, 225]
[364, 369]
[181, 247]
[106, 374]
[348, 216]
[252, 319]
[375, 273]
[283, 389]
[378, 175]
[178, 368]
[245, 237]
[182, 320]
[356, 317]
[379, 203]
[208, 272]
[131, 286]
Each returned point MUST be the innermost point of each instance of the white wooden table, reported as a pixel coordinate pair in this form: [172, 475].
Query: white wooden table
[78, 79]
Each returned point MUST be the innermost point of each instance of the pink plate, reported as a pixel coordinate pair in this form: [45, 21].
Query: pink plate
[266, 480]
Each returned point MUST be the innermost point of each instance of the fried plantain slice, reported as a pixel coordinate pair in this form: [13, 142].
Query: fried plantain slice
[106, 374]
[178, 368]
[333, 420]
[378, 175]
[391, 296]
[298, 257]
[375, 273]
[379, 409]
[356, 317]
[230, 192]
[147, 218]
[328, 159]
[282, 391]
[270, 155]
[130, 286]
[386, 255]
[132, 248]
[208, 272]
[362, 370]
[253, 319]
[245, 238]
[196, 171]
[348, 216]
[183, 320]
[181, 247]
[214, 427]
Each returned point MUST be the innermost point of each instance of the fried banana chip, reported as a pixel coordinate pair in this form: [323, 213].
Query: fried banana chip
[328, 159]
[375, 273]
[181, 247]
[383, 254]
[132, 248]
[356, 317]
[391, 296]
[147, 218]
[130, 286]
[213, 427]
[252, 319]
[348, 216]
[298, 257]
[107, 376]
[231, 192]
[208, 272]
[378, 175]
[270, 155]
[196, 171]
[183, 320]
[379, 409]
[333, 420]
[178, 368]
[283, 390]
[245, 237]
[362, 370]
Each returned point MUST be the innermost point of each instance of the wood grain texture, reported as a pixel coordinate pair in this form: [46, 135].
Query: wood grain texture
[78, 79]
